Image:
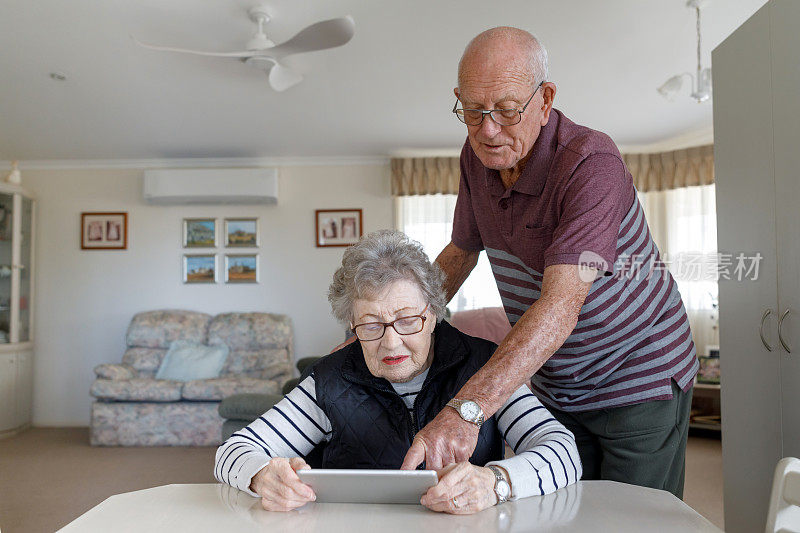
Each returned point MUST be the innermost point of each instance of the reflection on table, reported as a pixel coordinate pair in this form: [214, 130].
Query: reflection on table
[585, 506]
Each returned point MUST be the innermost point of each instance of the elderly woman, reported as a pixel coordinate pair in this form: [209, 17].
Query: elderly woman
[367, 400]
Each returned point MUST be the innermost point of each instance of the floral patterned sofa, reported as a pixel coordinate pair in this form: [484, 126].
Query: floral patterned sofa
[132, 408]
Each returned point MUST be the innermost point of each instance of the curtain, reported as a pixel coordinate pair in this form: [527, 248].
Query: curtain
[651, 172]
[429, 220]
[671, 170]
[683, 223]
[425, 175]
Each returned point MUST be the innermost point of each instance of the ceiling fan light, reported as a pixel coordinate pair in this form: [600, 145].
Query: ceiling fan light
[670, 87]
[282, 78]
[260, 62]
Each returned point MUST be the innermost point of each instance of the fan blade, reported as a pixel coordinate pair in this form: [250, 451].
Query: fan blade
[244, 54]
[281, 78]
[326, 34]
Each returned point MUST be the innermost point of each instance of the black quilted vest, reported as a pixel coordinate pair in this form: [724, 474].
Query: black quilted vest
[371, 427]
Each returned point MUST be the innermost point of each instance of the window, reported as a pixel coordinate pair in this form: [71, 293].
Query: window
[429, 220]
[683, 223]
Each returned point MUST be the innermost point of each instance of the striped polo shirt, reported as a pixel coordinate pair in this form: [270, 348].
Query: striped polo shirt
[575, 203]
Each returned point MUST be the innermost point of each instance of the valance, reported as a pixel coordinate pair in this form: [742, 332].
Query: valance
[651, 172]
[672, 170]
[425, 175]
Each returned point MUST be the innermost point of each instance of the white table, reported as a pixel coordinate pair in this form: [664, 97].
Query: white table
[586, 506]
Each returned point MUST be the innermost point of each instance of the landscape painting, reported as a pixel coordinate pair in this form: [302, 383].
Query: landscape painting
[241, 268]
[199, 233]
[199, 268]
[241, 232]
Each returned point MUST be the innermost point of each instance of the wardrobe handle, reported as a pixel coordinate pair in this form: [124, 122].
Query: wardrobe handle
[761, 330]
[780, 331]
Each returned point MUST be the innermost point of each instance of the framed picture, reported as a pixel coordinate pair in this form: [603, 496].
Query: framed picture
[338, 227]
[241, 232]
[241, 268]
[199, 268]
[199, 233]
[104, 231]
[709, 370]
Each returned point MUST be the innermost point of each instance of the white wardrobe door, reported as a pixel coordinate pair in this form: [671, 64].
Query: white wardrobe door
[785, 19]
[743, 154]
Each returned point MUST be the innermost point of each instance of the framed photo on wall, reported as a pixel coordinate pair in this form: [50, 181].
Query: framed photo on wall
[338, 227]
[199, 233]
[241, 268]
[241, 232]
[199, 268]
[104, 231]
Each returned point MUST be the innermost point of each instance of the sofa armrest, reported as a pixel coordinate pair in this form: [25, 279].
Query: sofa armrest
[115, 372]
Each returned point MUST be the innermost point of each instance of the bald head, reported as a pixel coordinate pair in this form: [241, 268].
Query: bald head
[513, 47]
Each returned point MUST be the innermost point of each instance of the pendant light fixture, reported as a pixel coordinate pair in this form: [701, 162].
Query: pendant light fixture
[701, 81]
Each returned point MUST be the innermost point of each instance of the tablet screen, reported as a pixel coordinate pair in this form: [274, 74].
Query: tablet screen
[368, 486]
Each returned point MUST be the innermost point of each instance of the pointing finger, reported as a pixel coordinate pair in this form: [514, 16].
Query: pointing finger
[415, 455]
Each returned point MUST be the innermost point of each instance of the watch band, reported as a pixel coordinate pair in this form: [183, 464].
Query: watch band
[500, 475]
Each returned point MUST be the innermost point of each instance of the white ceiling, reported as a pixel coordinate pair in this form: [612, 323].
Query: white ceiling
[388, 91]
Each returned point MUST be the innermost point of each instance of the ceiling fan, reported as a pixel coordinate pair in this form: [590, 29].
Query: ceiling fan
[264, 54]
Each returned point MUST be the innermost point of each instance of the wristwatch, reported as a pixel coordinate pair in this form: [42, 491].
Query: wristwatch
[502, 488]
[468, 410]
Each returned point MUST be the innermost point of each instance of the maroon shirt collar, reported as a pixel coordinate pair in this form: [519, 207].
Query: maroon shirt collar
[534, 175]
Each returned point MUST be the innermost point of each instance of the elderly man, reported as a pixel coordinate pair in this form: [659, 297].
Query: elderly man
[599, 328]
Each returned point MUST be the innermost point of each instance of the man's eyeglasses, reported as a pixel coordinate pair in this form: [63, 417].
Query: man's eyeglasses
[405, 325]
[504, 117]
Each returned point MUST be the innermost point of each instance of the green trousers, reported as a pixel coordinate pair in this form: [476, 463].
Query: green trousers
[642, 444]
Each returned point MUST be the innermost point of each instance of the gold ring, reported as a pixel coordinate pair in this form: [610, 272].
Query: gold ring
[455, 502]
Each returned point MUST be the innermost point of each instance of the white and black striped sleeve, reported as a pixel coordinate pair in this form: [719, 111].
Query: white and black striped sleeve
[292, 428]
[546, 454]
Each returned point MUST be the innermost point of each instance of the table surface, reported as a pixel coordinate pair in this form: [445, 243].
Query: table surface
[585, 506]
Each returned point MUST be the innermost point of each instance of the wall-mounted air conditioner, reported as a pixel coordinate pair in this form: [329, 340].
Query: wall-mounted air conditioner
[211, 186]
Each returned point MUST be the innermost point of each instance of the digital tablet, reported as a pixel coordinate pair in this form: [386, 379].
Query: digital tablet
[368, 486]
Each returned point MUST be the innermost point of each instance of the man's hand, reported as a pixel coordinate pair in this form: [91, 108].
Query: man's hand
[446, 439]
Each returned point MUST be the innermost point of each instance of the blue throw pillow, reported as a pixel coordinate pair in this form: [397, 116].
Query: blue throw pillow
[187, 361]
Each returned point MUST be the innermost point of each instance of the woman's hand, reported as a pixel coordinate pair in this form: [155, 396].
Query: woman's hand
[279, 486]
[463, 488]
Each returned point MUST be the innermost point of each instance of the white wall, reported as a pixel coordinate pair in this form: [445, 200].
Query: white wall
[85, 299]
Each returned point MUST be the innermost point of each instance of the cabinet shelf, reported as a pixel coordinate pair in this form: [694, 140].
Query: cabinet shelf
[705, 425]
[707, 386]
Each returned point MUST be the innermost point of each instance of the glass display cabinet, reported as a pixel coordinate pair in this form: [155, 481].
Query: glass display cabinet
[17, 214]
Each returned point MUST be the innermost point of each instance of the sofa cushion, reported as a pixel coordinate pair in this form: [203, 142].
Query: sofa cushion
[107, 371]
[145, 360]
[219, 388]
[250, 331]
[159, 329]
[188, 361]
[137, 390]
[270, 363]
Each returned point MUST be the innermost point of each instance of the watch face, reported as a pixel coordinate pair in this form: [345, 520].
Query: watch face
[503, 490]
[470, 410]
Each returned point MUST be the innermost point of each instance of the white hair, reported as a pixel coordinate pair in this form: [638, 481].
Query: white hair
[377, 260]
